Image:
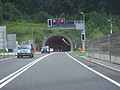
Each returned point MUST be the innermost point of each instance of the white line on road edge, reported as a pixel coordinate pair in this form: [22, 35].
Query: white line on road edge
[12, 76]
[96, 72]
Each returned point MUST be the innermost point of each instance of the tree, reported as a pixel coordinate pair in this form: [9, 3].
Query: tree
[1, 12]
[10, 12]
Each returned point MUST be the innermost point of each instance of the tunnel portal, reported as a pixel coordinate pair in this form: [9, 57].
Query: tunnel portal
[59, 43]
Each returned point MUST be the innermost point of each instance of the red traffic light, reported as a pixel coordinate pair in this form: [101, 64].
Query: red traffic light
[62, 20]
[54, 21]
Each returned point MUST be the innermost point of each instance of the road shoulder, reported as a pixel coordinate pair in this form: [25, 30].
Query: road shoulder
[106, 64]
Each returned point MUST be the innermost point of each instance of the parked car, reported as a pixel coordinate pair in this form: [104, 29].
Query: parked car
[25, 49]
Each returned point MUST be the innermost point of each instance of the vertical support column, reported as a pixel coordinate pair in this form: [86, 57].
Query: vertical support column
[83, 32]
[3, 44]
[83, 38]
[109, 39]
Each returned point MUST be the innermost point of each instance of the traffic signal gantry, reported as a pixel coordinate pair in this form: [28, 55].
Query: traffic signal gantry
[61, 23]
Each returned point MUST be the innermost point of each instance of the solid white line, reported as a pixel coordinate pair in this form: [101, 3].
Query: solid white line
[16, 72]
[12, 76]
[96, 72]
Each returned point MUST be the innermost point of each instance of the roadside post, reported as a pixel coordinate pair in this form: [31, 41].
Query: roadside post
[83, 35]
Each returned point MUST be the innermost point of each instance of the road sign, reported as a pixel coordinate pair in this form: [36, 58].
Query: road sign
[2, 37]
[11, 41]
[80, 26]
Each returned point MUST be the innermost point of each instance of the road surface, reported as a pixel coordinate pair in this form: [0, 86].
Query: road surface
[55, 71]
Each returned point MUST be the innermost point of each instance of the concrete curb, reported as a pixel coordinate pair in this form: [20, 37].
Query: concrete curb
[103, 65]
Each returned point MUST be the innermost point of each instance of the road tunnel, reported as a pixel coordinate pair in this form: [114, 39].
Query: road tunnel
[59, 43]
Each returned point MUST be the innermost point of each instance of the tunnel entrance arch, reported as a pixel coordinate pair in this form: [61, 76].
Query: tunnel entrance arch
[59, 43]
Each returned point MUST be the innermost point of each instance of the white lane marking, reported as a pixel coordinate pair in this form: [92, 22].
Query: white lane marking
[12, 76]
[96, 72]
[7, 59]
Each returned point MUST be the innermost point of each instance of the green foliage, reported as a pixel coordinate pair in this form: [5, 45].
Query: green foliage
[21, 16]
[97, 24]
[1, 11]
[79, 53]
[27, 9]
[10, 12]
[1, 50]
[41, 17]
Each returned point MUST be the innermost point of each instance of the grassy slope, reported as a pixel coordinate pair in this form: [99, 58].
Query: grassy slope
[23, 30]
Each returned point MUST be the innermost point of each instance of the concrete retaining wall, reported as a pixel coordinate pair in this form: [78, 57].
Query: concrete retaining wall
[106, 48]
[106, 57]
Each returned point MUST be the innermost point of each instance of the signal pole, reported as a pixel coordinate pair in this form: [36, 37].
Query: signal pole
[83, 33]
[32, 36]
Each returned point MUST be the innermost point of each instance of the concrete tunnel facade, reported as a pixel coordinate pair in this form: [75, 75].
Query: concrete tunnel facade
[60, 43]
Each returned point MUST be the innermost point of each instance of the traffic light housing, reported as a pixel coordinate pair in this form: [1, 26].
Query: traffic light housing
[49, 22]
[54, 21]
[83, 37]
[62, 21]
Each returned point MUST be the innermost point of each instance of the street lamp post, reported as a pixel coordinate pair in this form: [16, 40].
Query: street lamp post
[32, 36]
[83, 32]
[110, 20]
[109, 37]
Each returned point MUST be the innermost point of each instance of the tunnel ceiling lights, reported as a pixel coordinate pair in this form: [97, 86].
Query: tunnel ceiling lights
[65, 41]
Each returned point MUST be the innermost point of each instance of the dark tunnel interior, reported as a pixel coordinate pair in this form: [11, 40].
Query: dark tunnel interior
[58, 43]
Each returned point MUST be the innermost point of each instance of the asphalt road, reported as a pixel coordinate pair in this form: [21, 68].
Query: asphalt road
[55, 71]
